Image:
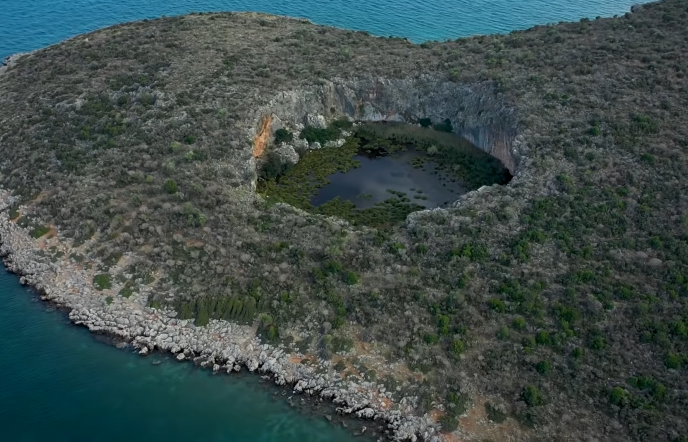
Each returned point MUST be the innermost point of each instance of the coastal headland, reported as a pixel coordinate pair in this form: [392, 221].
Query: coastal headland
[142, 177]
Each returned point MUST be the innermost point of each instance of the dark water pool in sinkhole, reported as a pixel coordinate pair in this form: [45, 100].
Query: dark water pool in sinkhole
[384, 172]
[401, 175]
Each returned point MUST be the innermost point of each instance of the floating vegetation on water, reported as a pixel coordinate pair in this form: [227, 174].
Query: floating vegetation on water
[453, 154]
[381, 147]
[387, 213]
[300, 184]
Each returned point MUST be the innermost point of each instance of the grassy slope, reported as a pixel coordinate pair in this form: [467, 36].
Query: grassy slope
[563, 275]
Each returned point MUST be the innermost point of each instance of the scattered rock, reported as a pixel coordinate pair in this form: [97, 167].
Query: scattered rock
[287, 154]
[655, 262]
[316, 120]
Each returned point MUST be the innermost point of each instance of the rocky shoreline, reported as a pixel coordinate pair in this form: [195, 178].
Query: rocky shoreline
[220, 346]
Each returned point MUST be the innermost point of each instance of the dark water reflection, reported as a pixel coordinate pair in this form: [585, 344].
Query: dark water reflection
[378, 174]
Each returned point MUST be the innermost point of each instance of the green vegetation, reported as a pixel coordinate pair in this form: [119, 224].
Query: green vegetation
[543, 367]
[337, 344]
[335, 268]
[102, 281]
[445, 126]
[454, 155]
[532, 397]
[456, 406]
[39, 231]
[242, 310]
[322, 136]
[170, 187]
[299, 184]
[580, 264]
[494, 413]
[273, 167]
[283, 136]
[618, 396]
[14, 213]
[128, 289]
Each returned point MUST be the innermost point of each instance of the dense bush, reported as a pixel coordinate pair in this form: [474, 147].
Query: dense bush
[102, 281]
[322, 136]
[532, 397]
[283, 136]
[170, 186]
[444, 126]
[39, 231]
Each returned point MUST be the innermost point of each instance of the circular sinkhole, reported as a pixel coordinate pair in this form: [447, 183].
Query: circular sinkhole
[374, 174]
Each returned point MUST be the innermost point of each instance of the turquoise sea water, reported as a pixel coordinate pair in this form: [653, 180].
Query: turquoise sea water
[30, 24]
[59, 383]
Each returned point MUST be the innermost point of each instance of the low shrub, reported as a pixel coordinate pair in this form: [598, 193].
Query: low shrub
[532, 397]
[283, 136]
[171, 187]
[39, 231]
[102, 281]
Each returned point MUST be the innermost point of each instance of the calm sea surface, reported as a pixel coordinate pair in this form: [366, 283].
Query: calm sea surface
[58, 383]
[31, 24]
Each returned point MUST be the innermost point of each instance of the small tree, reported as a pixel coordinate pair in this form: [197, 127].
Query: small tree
[445, 126]
[283, 136]
[273, 167]
[532, 396]
[170, 187]
[618, 396]
[449, 423]
[102, 281]
[543, 367]
[458, 347]
[350, 277]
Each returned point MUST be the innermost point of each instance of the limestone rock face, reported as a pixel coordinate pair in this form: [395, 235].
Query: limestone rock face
[477, 112]
[315, 120]
[287, 154]
[299, 144]
[335, 143]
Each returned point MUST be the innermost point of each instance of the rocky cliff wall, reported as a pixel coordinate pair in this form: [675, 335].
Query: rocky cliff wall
[476, 111]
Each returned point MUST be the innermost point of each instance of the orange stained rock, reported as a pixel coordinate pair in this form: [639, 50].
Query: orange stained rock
[260, 141]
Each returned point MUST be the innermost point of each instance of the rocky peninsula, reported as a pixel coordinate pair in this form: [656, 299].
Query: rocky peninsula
[550, 308]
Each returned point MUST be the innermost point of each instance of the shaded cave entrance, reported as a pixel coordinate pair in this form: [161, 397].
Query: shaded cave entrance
[383, 172]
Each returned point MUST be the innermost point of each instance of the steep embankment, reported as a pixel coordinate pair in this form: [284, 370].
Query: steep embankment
[477, 111]
[565, 290]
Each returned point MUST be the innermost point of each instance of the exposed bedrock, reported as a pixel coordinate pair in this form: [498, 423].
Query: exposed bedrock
[477, 112]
